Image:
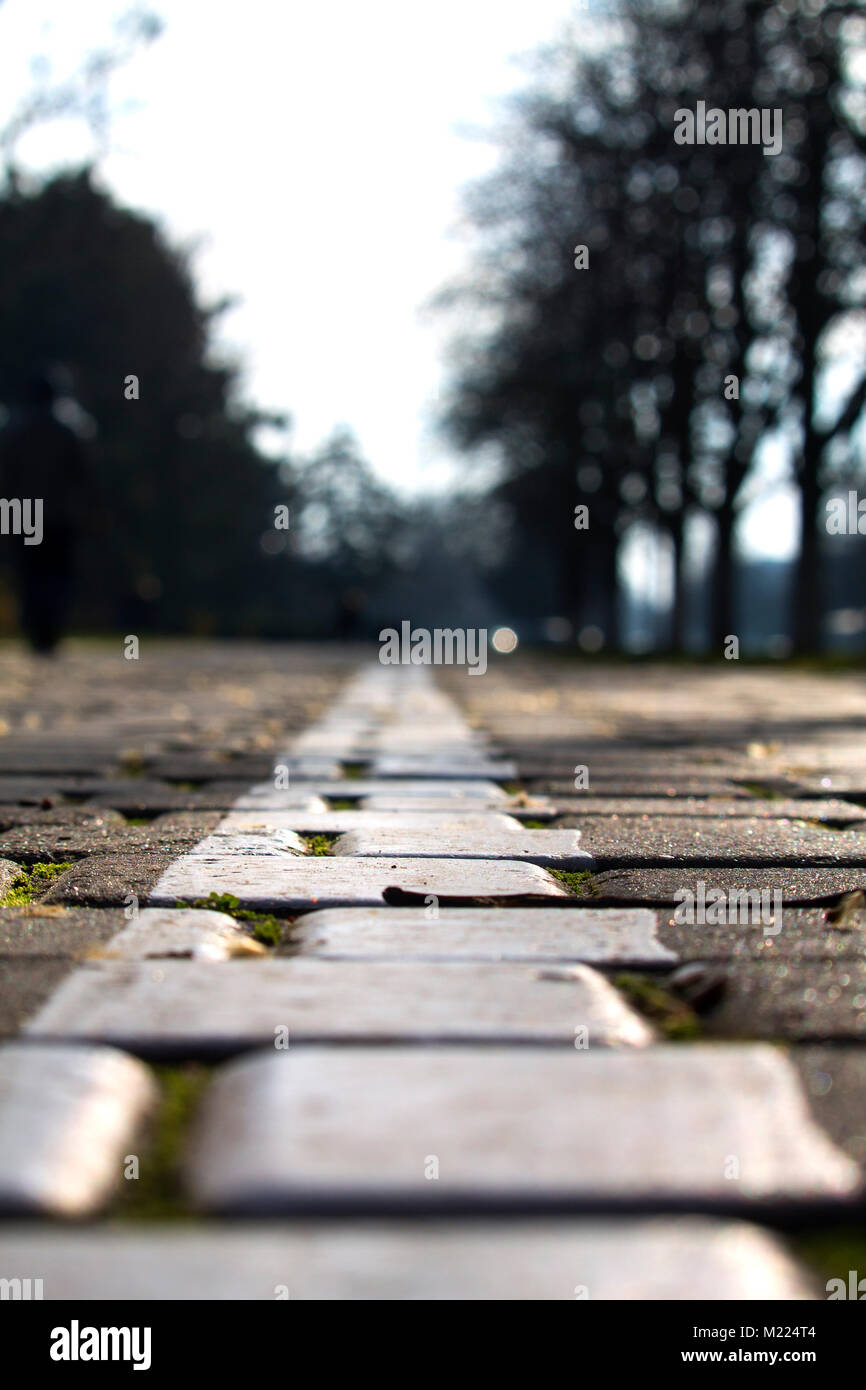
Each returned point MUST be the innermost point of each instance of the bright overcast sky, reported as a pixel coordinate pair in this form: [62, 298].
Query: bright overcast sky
[313, 150]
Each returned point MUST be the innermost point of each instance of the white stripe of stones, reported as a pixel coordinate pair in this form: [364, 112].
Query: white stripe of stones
[67, 1119]
[312, 1127]
[691, 1258]
[597, 937]
[191, 1009]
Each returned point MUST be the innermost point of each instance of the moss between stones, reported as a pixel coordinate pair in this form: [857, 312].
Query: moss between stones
[157, 1193]
[341, 803]
[352, 770]
[320, 844]
[832, 1254]
[580, 882]
[671, 1016]
[31, 882]
[265, 927]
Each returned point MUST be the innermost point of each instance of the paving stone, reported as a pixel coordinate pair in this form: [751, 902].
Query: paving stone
[831, 811]
[834, 1078]
[59, 842]
[209, 767]
[47, 813]
[621, 840]
[325, 1129]
[689, 1259]
[804, 935]
[24, 790]
[25, 984]
[140, 798]
[538, 808]
[295, 884]
[448, 769]
[596, 937]
[230, 840]
[68, 933]
[466, 820]
[659, 887]
[67, 1116]
[165, 932]
[181, 1009]
[9, 872]
[107, 880]
[635, 784]
[553, 848]
[265, 795]
[802, 1001]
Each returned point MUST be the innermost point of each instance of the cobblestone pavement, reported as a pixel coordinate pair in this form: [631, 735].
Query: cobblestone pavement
[291, 937]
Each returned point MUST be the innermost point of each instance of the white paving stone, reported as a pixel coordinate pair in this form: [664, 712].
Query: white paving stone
[595, 936]
[687, 1259]
[189, 1008]
[531, 807]
[200, 934]
[227, 840]
[357, 1127]
[67, 1118]
[555, 848]
[284, 883]
[264, 795]
[280, 798]
[449, 769]
[460, 820]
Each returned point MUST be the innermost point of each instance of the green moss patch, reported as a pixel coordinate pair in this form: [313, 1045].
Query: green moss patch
[320, 844]
[32, 882]
[266, 928]
[831, 1254]
[580, 882]
[670, 1015]
[157, 1193]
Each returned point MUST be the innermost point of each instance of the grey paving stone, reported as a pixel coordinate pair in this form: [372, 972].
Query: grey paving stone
[621, 840]
[831, 811]
[60, 842]
[324, 881]
[25, 983]
[804, 935]
[552, 848]
[688, 1259]
[325, 1129]
[48, 813]
[659, 887]
[803, 1001]
[64, 933]
[162, 932]
[67, 1116]
[595, 937]
[107, 880]
[834, 1078]
[191, 1009]
[636, 784]
[9, 872]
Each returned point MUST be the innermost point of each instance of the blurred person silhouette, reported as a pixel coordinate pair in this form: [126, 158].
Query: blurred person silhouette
[350, 605]
[41, 458]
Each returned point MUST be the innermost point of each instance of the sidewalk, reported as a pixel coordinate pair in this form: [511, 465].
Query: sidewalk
[344, 942]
